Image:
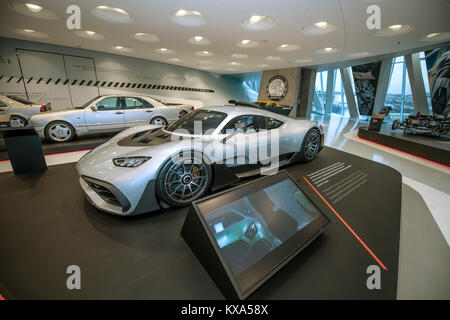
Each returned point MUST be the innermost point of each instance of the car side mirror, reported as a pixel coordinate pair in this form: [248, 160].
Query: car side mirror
[94, 108]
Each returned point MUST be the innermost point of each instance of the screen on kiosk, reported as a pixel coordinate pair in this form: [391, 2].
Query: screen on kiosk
[253, 226]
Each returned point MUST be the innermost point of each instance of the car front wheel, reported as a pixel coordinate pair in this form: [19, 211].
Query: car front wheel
[59, 131]
[310, 145]
[183, 179]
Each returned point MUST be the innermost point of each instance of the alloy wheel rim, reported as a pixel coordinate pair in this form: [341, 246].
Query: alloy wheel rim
[16, 123]
[312, 145]
[186, 180]
[159, 122]
[59, 132]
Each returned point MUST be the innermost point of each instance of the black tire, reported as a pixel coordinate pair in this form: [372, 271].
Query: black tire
[183, 179]
[159, 121]
[16, 121]
[310, 145]
[59, 131]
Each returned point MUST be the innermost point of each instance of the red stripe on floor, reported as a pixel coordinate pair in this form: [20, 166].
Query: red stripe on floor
[348, 227]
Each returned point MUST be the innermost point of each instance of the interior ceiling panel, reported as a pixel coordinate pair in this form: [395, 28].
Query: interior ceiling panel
[350, 38]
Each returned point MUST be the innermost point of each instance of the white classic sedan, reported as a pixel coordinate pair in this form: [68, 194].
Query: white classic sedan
[107, 113]
[20, 110]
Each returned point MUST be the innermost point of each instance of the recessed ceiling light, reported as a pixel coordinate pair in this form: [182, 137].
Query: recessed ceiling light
[263, 65]
[33, 7]
[32, 10]
[288, 47]
[328, 50]
[122, 49]
[174, 60]
[247, 44]
[234, 63]
[317, 28]
[395, 27]
[198, 40]
[146, 37]
[394, 30]
[204, 53]
[239, 56]
[112, 14]
[230, 69]
[358, 54]
[165, 51]
[432, 35]
[206, 68]
[92, 35]
[273, 58]
[321, 24]
[438, 36]
[31, 33]
[258, 22]
[189, 18]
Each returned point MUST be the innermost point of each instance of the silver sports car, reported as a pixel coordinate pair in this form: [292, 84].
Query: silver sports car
[20, 110]
[107, 113]
[146, 168]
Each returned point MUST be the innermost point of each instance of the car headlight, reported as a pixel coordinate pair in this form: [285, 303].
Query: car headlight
[130, 162]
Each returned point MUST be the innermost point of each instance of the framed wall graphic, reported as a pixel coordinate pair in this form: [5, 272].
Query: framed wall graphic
[277, 87]
[365, 78]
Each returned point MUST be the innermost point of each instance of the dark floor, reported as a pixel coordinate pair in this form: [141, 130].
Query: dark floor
[46, 224]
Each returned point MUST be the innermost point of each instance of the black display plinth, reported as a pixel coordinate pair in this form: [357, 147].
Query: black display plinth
[24, 150]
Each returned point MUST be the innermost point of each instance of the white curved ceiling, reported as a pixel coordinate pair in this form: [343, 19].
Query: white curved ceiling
[349, 39]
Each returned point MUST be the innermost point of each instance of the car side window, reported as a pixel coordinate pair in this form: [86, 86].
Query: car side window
[273, 123]
[2, 105]
[133, 103]
[109, 103]
[147, 104]
[245, 124]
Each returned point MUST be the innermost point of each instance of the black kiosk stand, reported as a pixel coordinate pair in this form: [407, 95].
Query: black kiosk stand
[24, 150]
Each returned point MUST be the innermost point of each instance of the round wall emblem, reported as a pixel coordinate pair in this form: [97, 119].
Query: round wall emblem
[277, 88]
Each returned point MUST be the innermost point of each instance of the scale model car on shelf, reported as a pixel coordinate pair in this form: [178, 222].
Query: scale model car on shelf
[146, 168]
[416, 124]
[107, 113]
[20, 110]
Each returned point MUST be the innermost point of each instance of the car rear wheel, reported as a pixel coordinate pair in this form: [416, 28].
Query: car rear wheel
[310, 145]
[17, 122]
[59, 131]
[159, 121]
[183, 179]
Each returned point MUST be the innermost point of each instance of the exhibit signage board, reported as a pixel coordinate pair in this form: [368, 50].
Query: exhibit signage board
[246, 234]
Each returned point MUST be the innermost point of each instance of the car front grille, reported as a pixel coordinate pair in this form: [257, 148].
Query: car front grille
[105, 194]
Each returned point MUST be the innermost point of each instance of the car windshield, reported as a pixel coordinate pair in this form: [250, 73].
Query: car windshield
[209, 120]
[20, 100]
[87, 103]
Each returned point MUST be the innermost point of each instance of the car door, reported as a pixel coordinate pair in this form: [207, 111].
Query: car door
[243, 141]
[105, 115]
[137, 111]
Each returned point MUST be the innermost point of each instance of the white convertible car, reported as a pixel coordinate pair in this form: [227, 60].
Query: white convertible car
[107, 113]
[20, 110]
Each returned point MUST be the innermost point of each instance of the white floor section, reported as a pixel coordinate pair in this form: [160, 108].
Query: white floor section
[353, 135]
[51, 160]
[438, 203]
